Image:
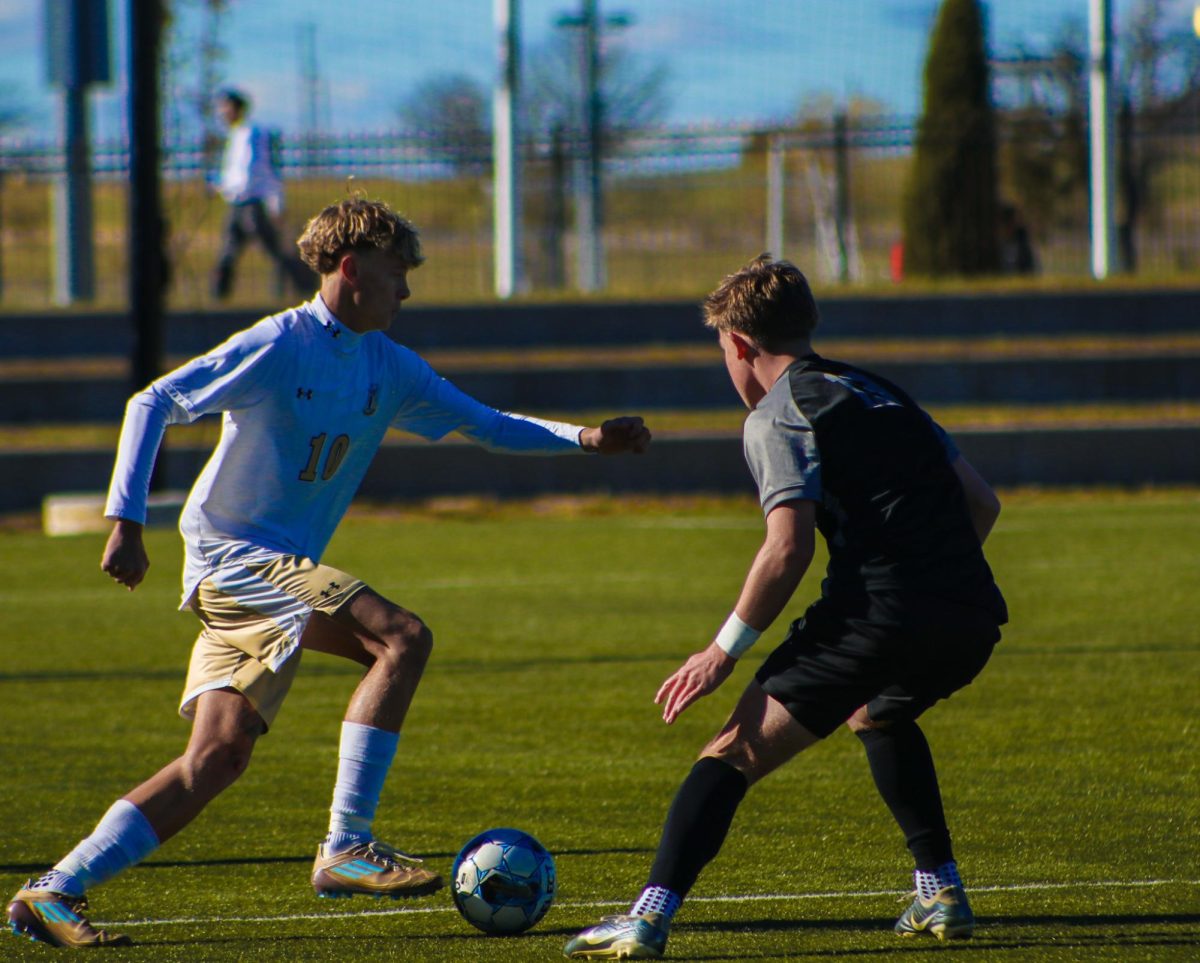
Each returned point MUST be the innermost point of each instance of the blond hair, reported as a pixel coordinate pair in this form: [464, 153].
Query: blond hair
[357, 224]
[767, 301]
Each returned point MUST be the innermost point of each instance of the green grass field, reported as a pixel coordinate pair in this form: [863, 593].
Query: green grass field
[1069, 769]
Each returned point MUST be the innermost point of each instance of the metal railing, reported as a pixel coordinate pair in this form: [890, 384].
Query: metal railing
[682, 206]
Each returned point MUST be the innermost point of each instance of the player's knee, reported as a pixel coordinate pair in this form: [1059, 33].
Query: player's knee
[408, 639]
[217, 763]
[735, 752]
[861, 722]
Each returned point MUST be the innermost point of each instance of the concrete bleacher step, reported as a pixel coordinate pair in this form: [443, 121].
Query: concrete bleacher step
[1092, 310]
[78, 513]
[641, 357]
[1167, 454]
[635, 377]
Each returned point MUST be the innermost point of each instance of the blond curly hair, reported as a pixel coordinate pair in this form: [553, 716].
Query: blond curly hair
[357, 224]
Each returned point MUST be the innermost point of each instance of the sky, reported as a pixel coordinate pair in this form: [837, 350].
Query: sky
[727, 61]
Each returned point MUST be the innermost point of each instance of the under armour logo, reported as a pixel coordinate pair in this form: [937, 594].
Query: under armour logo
[333, 587]
[333, 329]
[305, 393]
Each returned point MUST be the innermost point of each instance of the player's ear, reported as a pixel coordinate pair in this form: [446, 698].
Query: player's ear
[741, 345]
[348, 267]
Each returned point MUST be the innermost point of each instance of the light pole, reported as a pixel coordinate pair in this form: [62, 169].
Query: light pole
[508, 267]
[1103, 191]
[589, 194]
[78, 56]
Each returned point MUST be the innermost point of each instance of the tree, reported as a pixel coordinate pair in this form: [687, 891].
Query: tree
[633, 92]
[1159, 83]
[1157, 88]
[950, 205]
[1044, 139]
[452, 114]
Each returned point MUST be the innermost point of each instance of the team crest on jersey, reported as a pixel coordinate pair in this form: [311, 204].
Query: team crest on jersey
[372, 400]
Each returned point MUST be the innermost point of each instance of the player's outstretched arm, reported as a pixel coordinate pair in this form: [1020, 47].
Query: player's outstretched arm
[778, 567]
[125, 557]
[625, 434]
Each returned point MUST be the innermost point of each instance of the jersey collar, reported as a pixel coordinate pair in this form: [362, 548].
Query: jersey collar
[339, 337]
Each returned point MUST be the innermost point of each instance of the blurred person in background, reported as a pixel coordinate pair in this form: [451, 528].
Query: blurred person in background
[249, 183]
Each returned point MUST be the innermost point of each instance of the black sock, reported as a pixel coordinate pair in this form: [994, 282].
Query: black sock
[902, 765]
[697, 823]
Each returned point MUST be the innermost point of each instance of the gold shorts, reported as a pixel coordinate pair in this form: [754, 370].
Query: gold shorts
[254, 616]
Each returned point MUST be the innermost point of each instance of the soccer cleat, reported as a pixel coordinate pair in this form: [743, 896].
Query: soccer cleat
[373, 869]
[947, 916]
[621, 938]
[57, 920]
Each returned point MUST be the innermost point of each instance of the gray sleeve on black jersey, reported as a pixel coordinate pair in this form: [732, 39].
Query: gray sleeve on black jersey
[781, 451]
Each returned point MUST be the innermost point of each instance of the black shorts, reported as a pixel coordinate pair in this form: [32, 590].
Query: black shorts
[896, 653]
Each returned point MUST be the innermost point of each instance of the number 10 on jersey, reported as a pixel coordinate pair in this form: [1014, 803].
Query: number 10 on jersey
[337, 451]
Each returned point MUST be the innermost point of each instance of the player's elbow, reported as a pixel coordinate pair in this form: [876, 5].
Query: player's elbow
[154, 398]
[794, 557]
[788, 560]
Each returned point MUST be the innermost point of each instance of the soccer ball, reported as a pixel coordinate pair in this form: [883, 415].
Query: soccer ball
[503, 881]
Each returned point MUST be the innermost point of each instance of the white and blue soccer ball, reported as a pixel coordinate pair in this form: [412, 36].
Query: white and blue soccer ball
[504, 881]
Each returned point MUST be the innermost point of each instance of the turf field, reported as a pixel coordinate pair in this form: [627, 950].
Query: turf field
[1070, 768]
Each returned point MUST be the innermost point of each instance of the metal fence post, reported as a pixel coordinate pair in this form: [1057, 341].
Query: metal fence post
[841, 205]
[776, 194]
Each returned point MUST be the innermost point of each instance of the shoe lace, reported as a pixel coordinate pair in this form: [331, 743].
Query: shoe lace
[391, 857]
[77, 904]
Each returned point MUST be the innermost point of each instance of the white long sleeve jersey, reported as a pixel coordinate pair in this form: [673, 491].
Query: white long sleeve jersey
[305, 404]
[246, 171]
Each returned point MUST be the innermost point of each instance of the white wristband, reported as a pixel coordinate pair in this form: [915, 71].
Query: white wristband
[736, 636]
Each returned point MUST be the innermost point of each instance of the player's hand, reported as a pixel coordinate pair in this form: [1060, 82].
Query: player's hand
[698, 676]
[628, 433]
[125, 557]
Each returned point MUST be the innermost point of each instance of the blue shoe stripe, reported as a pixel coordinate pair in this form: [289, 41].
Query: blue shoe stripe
[56, 913]
[355, 870]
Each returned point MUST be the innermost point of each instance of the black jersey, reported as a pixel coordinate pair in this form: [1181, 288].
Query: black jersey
[889, 504]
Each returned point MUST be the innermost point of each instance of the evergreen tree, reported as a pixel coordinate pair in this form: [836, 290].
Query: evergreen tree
[950, 205]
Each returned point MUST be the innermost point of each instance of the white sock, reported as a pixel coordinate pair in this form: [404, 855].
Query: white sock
[122, 838]
[657, 899]
[931, 882]
[364, 757]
